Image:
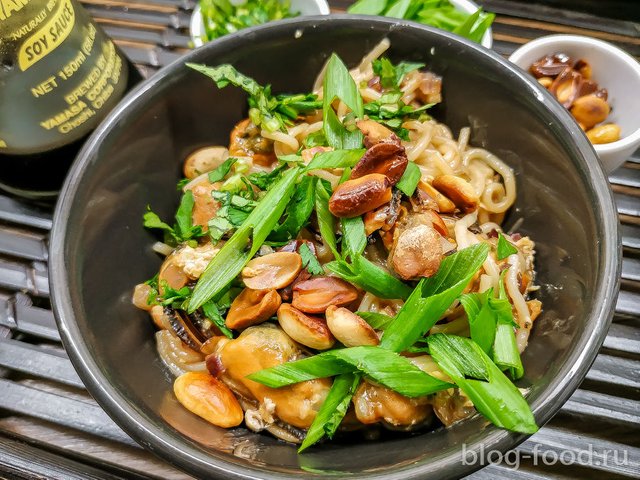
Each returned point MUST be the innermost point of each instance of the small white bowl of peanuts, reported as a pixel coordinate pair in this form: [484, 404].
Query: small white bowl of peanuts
[598, 83]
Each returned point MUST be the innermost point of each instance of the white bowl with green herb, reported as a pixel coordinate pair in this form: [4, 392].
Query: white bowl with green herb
[462, 17]
[212, 19]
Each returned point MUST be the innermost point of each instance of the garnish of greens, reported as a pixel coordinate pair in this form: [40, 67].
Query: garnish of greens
[272, 208]
[221, 17]
[437, 13]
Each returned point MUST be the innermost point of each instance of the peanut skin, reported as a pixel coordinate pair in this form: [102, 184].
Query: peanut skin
[355, 197]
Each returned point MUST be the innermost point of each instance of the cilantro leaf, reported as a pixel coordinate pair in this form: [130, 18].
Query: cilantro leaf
[264, 180]
[221, 171]
[272, 112]
[505, 247]
[183, 230]
[309, 260]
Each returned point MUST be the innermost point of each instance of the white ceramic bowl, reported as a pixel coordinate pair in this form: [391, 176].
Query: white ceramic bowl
[305, 7]
[614, 70]
[321, 7]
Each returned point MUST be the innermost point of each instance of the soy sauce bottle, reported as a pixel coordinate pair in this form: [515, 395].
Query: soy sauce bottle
[59, 76]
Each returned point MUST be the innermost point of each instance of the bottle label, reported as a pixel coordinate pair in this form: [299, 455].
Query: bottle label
[64, 74]
[47, 37]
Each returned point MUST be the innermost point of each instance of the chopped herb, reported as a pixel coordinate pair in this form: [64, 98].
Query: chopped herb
[378, 321]
[297, 214]
[387, 368]
[354, 237]
[264, 180]
[370, 277]
[338, 84]
[333, 409]
[491, 392]
[505, 247]
[309, 260]
[437, 13]
[336, 159]
[222, 171]
[410, 179]
[326, 221]
[221, 17]
[433, 296]
[212, 312]
[246, 241]
[183, 230]
[391, 75]
[271, 112]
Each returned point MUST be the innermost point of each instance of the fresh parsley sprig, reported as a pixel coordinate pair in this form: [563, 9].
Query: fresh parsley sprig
[183, 230]
[266, 110]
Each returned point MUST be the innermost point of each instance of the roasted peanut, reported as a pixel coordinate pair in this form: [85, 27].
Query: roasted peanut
[204, 160]
[172, 274]
[141, 296]
[387, 158]
[349, 328]
[317, 294]
[416, 252]
[545, 81]
[458, 190]
[566, 86]
[307, 330]
[355, 197]
[374, 133]
[208, 398]
[584, 68]
[590, 110]
[444, 204]
[252, 307]
[272, 271]
[604, 134]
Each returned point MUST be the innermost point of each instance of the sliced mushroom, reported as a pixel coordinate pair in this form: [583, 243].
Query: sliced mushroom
[272, 271]
[387, 158]
[590, 110]
[307, 330]
[416, 252]
[355, 197]
[252, 307]
[349, 328]
[461, 192]
[317, 294]
[204, 160]
[208, 398]
[190, 328]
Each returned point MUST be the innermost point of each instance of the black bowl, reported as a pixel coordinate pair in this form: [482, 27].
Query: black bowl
[100, 250]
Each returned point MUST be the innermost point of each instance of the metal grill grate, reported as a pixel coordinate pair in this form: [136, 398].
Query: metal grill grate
[51, 428]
